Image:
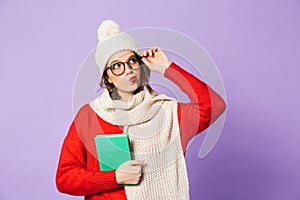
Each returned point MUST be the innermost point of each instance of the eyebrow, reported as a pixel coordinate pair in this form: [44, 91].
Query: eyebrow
[116, 61]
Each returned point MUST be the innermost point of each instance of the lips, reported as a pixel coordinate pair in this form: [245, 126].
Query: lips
[132, 79]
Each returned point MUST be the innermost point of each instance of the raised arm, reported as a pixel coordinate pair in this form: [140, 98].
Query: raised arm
[205, 104]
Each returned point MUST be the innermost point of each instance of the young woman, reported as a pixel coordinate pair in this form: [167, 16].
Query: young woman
[159, 127]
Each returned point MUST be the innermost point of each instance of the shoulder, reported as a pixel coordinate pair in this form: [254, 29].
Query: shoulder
[84, 112]
[85, 108]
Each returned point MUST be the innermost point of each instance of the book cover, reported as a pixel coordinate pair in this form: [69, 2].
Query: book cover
[112, 150]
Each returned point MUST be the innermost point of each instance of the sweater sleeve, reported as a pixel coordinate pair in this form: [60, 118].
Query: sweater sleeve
[72, 177]
[205, 104]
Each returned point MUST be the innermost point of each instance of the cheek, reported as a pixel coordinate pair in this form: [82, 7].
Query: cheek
[139, 76]
[115, 80]
[118, 81]
[112, 78]
[138, 73]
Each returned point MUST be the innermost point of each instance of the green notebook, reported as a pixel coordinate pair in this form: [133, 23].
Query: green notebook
[112, 151]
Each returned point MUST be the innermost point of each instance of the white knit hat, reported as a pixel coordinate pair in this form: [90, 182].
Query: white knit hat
[111, 40]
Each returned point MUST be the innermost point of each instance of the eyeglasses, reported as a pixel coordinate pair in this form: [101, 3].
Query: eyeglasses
[119, 68]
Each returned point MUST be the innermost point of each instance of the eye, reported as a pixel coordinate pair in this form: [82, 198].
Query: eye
[132, 60]
[116, 66]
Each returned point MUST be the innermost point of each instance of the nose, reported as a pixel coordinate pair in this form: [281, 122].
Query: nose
[128, 69]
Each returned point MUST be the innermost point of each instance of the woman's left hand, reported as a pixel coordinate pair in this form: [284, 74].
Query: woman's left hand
[156, 59]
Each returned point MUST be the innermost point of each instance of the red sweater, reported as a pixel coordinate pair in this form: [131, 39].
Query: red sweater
[78, 170]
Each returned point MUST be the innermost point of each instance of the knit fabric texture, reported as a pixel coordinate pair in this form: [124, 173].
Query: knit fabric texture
[112, 40]
[152, 124]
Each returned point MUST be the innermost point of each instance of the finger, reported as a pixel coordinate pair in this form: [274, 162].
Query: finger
[155, 49]
[131, 169]
[137, 169]
[134, 170]
[145, 53]
[148, 53]
[136, 162]
[153, 52]
[136, 181]
[146, 61]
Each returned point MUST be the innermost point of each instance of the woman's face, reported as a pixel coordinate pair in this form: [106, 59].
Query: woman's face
[129, 81]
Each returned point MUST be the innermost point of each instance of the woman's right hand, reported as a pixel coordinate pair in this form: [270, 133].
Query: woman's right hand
[156, 59]
[129, 172]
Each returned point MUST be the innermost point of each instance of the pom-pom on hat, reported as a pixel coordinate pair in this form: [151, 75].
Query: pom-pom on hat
[112, 40]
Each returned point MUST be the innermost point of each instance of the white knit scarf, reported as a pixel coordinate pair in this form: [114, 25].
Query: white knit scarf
[152, 124]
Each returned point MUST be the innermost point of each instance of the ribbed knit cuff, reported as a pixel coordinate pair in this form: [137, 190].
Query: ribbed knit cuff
[172, 71]
[106, 180]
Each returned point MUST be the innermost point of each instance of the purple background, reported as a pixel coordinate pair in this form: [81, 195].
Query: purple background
[255, 44]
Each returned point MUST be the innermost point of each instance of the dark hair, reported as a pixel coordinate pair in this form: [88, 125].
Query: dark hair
[144, 81]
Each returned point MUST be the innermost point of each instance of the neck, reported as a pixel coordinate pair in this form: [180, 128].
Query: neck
[125, 96]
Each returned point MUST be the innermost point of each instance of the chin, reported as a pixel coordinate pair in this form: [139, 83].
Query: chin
[133, 88]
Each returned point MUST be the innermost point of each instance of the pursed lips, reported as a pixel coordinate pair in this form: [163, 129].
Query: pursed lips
[132, 79]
